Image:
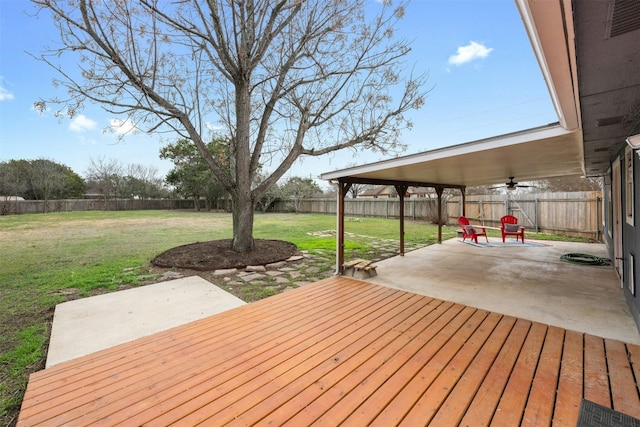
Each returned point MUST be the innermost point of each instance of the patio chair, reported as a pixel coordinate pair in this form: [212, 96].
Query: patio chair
[509, 227]
[470, 231]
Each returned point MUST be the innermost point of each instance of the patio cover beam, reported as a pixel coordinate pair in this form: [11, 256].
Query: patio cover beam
[343, 189]
[439, 191]
[345, 183]
[375, 181]
[402, 191]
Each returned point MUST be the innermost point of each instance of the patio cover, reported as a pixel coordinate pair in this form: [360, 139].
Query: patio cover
[544, 152]
[538, 153]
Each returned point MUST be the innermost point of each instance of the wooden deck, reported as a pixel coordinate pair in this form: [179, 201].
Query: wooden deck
[342, 351]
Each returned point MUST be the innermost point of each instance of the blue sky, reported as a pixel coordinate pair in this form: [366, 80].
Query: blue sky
[486, 82]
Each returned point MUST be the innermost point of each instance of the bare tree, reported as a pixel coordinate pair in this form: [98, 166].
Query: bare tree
[356, 189]
[570, 183]
[141, 182]
[107, 175]
[297, 189]
[282, 78]
[270, 196]
[46, 179]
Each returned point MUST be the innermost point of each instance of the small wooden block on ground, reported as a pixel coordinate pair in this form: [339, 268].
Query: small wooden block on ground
[359, 268]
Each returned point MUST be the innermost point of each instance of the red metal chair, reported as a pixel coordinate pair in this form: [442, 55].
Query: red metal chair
[509, 227]
[471, 231]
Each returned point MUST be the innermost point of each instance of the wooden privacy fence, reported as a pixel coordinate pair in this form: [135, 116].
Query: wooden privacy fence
[576, 214]
[384, 207]
[67, 205]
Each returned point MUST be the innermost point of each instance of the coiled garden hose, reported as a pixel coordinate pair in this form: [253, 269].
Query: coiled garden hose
[585, 259]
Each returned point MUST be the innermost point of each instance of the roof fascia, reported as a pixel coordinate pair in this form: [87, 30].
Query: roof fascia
[534, 134]
[385, 182]
[549, 26]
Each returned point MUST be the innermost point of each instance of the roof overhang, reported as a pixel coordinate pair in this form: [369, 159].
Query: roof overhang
[590, 63]
[552, 39]
[525, 155]
[589, 54]
[607, 35]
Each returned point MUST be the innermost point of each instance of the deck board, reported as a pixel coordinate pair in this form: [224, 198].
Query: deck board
[624, 390]
[514, 398]
[570, 383]
[342, 351]
[484, 403]
[464, 391]
[433, 398]
[353, 388]
[396, 406]
[542, 396]
[596, 382]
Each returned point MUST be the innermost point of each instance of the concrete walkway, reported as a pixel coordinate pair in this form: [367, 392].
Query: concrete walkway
[528, 282]
[84, 326]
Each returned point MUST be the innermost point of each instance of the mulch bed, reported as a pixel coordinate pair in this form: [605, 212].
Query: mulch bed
[218, 255]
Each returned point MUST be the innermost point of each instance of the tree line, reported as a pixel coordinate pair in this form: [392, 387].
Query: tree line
[44, 179]
[108, 179]
[191, 177]
[39, 179]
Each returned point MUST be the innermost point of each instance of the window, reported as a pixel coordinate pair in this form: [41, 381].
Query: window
[609, 211]
[628, 171]
[632, 278]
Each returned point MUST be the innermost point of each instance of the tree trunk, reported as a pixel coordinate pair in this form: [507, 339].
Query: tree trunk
[243, 211]
[243, 208]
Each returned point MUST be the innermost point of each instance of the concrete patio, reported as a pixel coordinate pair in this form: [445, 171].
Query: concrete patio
[527, 282]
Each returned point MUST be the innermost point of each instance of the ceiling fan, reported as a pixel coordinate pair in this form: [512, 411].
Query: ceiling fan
[511, 185]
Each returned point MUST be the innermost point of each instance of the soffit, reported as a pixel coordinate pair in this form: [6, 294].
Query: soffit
[539, 153]
[609, 77]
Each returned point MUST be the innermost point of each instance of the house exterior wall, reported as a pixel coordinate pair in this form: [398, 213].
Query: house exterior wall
[630, 233]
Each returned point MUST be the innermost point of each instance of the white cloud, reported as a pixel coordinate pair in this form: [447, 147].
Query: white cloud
[122, 127]
[5, 95]
[470, 52]
[82, 123]
[213, 127]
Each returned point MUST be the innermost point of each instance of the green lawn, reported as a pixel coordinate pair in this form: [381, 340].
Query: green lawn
[46, 259]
